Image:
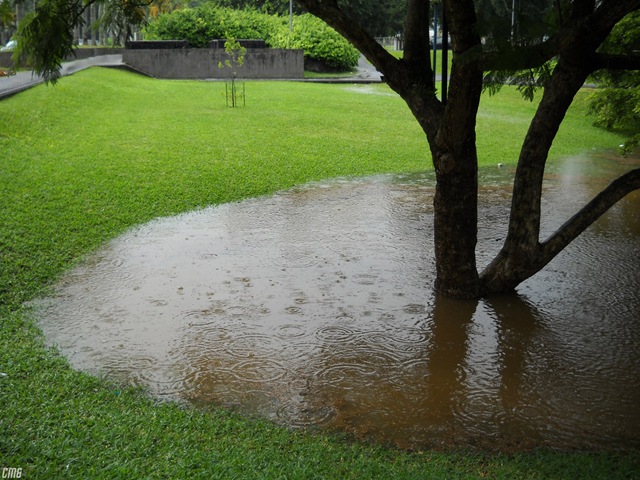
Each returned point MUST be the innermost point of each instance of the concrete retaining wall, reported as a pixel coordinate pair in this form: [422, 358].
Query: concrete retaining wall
[199, 63]
[82, 53]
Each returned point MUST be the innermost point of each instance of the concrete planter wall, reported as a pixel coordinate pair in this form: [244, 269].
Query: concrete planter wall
[82, 53]
[200, 63]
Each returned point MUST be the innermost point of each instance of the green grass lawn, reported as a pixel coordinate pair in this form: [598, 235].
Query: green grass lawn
[105, 150]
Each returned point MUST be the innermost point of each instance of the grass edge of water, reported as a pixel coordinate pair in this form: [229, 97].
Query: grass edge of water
[59, 422]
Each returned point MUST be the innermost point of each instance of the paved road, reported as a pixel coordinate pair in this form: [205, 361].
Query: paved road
[22, 80]
[365, 73]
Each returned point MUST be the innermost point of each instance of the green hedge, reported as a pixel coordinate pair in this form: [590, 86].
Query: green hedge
[319, 42]
[206, 22]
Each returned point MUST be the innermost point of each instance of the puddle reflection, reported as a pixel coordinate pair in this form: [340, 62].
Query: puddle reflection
[314, 308]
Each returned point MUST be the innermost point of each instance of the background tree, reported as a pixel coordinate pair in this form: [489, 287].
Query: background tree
[118, 18]
[6, 20]
[378, 17]
[616, 104]
[46, 36]
[505, 22]
[166, 6]
[272, 7]
[11, 14]
[571, 34]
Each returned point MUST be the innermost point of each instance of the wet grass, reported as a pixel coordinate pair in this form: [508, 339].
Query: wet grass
[324, 75]
[105, 150]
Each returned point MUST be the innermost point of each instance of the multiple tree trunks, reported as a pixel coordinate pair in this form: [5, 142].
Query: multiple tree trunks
[450, 130]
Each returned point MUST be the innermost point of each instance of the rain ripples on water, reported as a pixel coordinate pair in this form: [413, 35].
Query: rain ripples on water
[314, 308]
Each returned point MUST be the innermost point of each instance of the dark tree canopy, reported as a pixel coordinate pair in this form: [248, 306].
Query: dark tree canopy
[378, 17]
[501, 22]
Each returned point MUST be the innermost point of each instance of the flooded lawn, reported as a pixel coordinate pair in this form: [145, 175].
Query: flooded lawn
[314, 308]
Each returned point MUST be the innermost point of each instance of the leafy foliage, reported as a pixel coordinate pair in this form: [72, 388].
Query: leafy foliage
[319, 42]
[235, 59]
[47, 36]
[270, 7]
[527, 81]
[206, 22]
[617, 102]
[6, 13]
[378, 17]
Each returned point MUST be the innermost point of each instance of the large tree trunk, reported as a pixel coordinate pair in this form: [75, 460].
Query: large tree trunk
[455, 226]
[456, 199]
[453, 148]
[450, 130]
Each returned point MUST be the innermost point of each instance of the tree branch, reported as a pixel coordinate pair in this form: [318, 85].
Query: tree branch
[416, 31]
[46, 37]
[332, 14]
[521, 58]
[587, 22]
[412, 79]
[582, 8]
[603, 61]
[513, 265]
[577, 224]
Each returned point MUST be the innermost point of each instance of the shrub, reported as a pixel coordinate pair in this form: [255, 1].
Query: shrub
[319, 42]
[616, 104]
[206, 22]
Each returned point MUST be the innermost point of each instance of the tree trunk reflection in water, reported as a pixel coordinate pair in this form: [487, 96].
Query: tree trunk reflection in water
[445, 391]
[516, 322]
[450, 394]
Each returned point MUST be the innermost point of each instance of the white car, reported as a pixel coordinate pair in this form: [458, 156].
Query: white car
[11, 44]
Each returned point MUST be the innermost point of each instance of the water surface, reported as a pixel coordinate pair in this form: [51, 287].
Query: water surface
[314, 308]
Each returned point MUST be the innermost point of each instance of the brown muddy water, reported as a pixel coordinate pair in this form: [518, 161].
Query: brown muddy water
[314, 308]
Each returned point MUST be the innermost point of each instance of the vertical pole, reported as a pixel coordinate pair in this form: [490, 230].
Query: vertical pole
[513, 21]
[445, 58]
[291, 15]
[435, 39]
